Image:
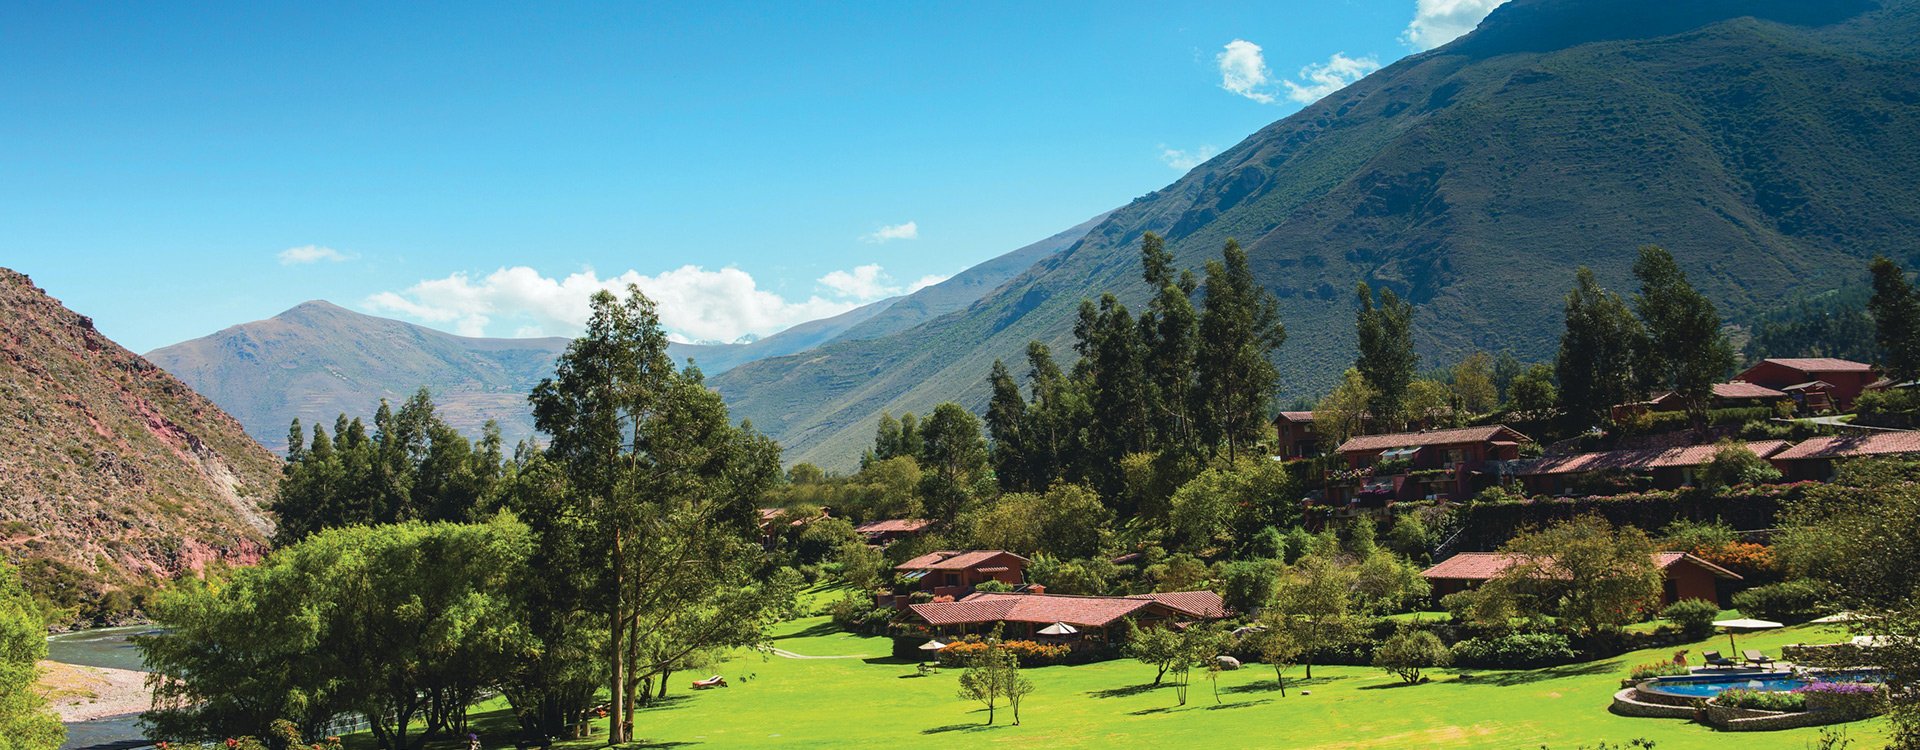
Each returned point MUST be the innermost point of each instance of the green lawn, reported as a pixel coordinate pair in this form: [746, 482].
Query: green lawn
[874, 701]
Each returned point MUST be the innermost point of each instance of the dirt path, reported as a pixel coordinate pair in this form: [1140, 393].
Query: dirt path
[87, 693]
[785, 654]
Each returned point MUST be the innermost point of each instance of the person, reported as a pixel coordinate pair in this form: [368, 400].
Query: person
[473, 741]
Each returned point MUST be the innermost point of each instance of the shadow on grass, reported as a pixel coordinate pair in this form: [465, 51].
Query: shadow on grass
[889, 660]
[1239, 704]
[668, 703]
[960, 728]
[1152, 711]
[1392, 685]
[1122, 692]
[1509, 679]
[812, 631]
[1269, 686]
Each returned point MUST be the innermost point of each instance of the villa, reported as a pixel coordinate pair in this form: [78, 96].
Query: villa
[1818, 383]
[1667, 468]
[1095, 617]
[1814, 458]
[1436, 464]
[1687, 576]
[883, 533]
[955, 572]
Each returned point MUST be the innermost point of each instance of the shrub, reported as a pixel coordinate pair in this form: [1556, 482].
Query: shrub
[1849, 699]
[1734, 464]
[1694, 616]
[1657, 669]
[1788, 600]
[1761, 700]
[1031, 653]
[1409, 651]
[993, 587]
[1517, 651]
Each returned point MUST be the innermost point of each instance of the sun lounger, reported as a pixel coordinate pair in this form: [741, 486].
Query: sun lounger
[1714, 659]
[1756, 658]
[710, 682]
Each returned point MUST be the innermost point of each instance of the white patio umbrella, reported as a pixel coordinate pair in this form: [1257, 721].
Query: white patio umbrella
[1744, 623]
[933, 645]
[1059, 628]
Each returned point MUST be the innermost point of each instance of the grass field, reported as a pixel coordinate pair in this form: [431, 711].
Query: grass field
[861, 698]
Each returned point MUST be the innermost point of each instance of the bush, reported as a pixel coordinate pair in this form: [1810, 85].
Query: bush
[1517, 651]
[1734, 464]
[1658, 669]
[1761, 700]
[1409, 651]
[1031, 653]
[1854, 700]
[1786, 601]
[1694, 616]
[993, 587]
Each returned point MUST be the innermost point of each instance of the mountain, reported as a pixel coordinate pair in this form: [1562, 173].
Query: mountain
[1767, 143]
[319, 360]
[111, 469]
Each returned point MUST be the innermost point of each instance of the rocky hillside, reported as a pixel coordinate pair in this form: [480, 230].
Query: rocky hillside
[112, 470]
[1767, 143]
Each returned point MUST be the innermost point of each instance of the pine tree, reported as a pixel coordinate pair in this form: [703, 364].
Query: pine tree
[1112, 369]
[1239, 330]
[1006, 424]
[1168, 330]
[1387, 359]
[1684, 350]
[1895, 307]
[1595, 364]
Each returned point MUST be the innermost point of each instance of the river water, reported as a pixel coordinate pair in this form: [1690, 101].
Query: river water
[104, 647]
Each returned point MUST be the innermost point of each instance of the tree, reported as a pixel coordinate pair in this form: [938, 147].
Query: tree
[1230, 502]
[25, 722]
[993, 675]
[1895, 307]
[1583, 571]
[1532, 393]
[665, 485]
[1387, 360]
[1343, 413]
[954, 457]
[1735, 464]
[1595, 366]
[1278, 643]
[1315, 601]
[1473, 386]
[1112, 369]
[1170, 330]
[1684, 350]
[1239, 330]
[1430, 404]
[1155, 647]
[1006, 424]
[1409, 651]
[401, 624]
[1198, 645]
[1248, 585]
[1067, 522]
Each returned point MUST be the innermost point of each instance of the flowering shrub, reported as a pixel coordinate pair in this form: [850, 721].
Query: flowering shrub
[1852, 699]
[1657, 669]
[1031, 653]
[1745, 558]
[1762, 700]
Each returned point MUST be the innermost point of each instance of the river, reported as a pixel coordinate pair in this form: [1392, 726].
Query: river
[104, 647]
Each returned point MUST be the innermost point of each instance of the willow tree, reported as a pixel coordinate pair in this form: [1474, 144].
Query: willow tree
[657, 472]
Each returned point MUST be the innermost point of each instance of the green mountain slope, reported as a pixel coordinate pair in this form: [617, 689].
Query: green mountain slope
[1767, 144]
[319, 360]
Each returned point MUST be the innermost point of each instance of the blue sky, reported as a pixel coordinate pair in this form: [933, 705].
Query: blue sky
[172, 169]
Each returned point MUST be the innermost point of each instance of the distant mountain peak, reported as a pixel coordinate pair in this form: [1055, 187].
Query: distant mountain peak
[1546, 25]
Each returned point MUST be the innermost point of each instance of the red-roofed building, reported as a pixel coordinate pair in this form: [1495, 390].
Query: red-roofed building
[1843, 380]
[1734, 395]
[1297, 438]
[1434, 464]
[1023, 615]
[1669, 468]
[883, 533]
[955, 572]
[1813, 459]
[1687, 577]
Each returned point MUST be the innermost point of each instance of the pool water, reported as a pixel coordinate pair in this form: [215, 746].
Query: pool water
[1707, 686]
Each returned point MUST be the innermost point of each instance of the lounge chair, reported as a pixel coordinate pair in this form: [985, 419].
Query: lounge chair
[710, 682]
[1714, 659]
[1756, 658]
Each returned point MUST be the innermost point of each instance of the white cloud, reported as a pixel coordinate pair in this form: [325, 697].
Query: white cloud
[1321, 79]
[695, 304]
[1436, 22]
[1243, 71]
[889, 233]
[869, 282]
[305, 254]
[1185, 160]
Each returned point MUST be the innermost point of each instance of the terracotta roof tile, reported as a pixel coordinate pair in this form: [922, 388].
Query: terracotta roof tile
[1845, 446]
[1742, 390]
[893, 525]
[956, 560]
[1297, 416]
[1432, 437]
[1638, 459]
[1203, 604]
[1083, 611]
[1821, 364]
[1481, 566]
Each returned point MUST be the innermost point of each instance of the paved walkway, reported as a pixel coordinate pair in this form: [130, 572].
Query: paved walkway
[783, 653]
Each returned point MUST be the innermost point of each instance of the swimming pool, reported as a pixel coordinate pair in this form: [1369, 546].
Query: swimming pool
[1707, 686]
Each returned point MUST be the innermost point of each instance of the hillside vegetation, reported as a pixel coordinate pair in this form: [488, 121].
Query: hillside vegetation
[1769, 153]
